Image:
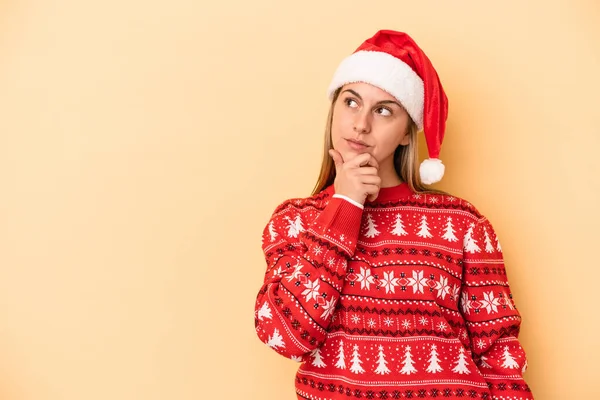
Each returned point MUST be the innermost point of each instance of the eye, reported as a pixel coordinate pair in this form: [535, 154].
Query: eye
[384, 111]
[350, 102]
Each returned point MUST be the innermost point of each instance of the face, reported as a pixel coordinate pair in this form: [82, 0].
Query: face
[368, 119]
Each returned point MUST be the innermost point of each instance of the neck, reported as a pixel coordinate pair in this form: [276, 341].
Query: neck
[388, 174]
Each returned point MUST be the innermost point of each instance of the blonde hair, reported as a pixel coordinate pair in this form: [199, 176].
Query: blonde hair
[405, 159]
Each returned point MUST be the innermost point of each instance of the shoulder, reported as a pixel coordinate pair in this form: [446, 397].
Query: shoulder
[445, 201]
[315, 202]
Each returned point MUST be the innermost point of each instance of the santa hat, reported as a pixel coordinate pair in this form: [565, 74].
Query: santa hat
[393, 62]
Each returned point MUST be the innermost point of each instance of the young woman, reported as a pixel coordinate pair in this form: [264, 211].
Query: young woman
[379, 287]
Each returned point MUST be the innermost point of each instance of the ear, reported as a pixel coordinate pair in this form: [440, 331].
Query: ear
[405, 140]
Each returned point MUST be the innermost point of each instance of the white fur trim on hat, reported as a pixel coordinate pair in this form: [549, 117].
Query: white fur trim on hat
[387, 73]
[431, 170]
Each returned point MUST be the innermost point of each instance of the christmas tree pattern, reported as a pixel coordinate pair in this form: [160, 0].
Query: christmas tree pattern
[498, 247]
[483, 362]
[381, 363]
[298, 223]
[317, 358]
[408, 363]
[424, 231]
[292, 228]
[461, 363]
[276, 340]
[371, 227]
[272, 232]
[341, 363]
[356, 366]
[449, 233]
[509, 360]
[470, 244]
[488, 243]
[264, 312]
[434, 361]
[399, 227]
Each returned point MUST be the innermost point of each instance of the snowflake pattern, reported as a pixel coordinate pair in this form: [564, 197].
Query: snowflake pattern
[365, 278]
[371, 323]
[328, 308]
[389, 282]
[355, 318]
[442, 326]
[406, 324]
[417, 281]
[423, 321]
[312, 290]
[388, 321]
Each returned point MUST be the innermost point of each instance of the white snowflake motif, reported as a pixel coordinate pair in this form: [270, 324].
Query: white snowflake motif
[417, 196]
[389, 282]
[442, 287]
[318, 250]
[312, 290]
[328, 308]
[297, 272]
[406, 324]
[355, 318]
[466, 303]
[450, 198]
[480, 344]
[433, 200]
[454, 292]
[417, 282]
[277, 271]
[342, 238]
[388, 321]
[331, 262]
[442, 326]
[490, 303]
[365, 278]
[298, 202]
[371, 323]
[423, 321]
[464, 335]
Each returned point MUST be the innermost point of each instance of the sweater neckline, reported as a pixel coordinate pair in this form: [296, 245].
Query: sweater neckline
[392, 193]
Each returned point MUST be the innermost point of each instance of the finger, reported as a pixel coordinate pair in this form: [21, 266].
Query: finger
[372, 192]
[362, 160]
[371, 180]
[367, 171]
[337, 158]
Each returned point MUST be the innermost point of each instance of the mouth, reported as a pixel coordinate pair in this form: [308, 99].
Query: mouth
[357, 144]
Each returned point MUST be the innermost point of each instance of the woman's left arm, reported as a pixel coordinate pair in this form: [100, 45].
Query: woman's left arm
[492, 319]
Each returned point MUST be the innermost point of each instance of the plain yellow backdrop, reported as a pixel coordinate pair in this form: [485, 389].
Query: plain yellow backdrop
[144, 145]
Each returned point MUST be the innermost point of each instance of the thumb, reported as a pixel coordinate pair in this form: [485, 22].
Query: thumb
[337, 158]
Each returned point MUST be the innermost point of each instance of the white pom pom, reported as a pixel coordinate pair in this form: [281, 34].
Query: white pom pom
[431, 170]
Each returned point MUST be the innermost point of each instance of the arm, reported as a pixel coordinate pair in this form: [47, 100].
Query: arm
[305, 269]
[492, 320]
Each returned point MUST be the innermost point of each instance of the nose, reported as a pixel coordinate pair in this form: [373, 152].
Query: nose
[362, 123]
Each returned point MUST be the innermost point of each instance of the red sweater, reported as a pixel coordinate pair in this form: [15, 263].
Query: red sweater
[406, 298]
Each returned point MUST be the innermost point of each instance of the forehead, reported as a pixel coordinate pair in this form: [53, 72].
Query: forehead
[368, 91]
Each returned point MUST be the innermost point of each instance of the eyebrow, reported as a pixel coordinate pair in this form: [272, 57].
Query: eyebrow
[379, 102]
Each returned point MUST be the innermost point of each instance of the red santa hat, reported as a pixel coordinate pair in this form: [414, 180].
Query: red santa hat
[393, 62]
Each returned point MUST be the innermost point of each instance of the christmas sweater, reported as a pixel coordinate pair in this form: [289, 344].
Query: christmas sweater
[404, 297]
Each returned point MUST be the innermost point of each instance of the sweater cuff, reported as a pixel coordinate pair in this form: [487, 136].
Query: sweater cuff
[339, 223]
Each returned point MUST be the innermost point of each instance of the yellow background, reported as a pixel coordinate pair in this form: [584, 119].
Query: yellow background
[144, 144]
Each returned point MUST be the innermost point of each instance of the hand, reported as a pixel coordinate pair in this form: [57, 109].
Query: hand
[356, 178]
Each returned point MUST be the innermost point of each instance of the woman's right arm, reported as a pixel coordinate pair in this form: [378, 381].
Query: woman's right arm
[305, 269]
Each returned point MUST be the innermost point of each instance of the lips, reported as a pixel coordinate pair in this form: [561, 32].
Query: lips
[357, 144]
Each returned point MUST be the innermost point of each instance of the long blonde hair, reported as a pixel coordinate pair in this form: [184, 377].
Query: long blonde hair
[405, 159]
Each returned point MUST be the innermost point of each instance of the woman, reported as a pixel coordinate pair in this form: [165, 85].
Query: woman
[379, 287]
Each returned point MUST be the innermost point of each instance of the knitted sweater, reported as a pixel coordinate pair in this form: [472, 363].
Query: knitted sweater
[406, 297]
